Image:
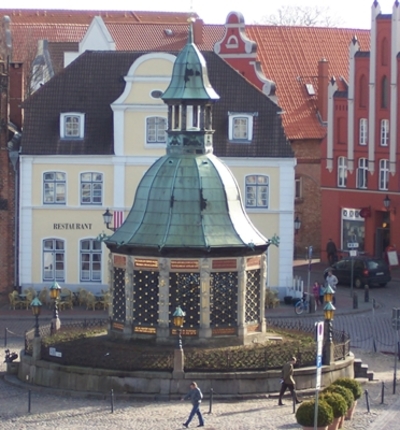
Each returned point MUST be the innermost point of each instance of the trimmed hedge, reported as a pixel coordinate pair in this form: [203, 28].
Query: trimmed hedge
[343, 391]
[336, 402]
[306, 412]
[353, 385]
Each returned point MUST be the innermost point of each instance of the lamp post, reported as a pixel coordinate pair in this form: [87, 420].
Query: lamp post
[107, 218]
[36, 306]
[55, 290]
[297, 225]
[329, 312]
[178, 319]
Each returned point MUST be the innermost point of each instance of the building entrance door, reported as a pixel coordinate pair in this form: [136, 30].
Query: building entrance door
[382, 240]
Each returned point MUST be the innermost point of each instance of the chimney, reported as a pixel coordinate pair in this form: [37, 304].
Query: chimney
[16, 94]
[198, 31]
[323, 82]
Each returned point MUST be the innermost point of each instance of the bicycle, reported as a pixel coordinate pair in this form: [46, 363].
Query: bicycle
[303, 305]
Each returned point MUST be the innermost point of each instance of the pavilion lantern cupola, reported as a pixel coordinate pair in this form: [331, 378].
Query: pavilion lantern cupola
[187, 240]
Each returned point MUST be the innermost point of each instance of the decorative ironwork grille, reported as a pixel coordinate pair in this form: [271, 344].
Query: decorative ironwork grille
[252, 301]
[224, 299]
[145, 298]
[185, 292]
[119, 299]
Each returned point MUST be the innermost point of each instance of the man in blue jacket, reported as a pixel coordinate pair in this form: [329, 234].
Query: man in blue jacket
[194, 395]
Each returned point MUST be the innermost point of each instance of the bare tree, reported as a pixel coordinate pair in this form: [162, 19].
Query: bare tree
[307, 16]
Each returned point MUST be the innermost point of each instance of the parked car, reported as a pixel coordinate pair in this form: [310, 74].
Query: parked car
[366, 271]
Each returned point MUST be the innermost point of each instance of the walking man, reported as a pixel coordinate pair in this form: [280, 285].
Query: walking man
[194, 395]
[332, 280]
[331, 251]
[288, 381]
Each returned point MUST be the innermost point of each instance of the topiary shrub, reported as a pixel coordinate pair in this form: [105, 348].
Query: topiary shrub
[343, 391]
[352, 385]
[305, 414]
[336, 402]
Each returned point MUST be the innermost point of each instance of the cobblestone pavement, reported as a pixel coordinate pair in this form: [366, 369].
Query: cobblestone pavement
[66, 412]
[49, 411]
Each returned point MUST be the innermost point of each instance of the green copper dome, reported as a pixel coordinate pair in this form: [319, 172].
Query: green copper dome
[187, 206]
[189, 76]
[188, 203]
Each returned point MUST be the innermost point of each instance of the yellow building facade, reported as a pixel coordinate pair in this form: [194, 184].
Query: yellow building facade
[63, 196]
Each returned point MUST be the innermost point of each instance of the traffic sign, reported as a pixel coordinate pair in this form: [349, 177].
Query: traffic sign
[320, 340]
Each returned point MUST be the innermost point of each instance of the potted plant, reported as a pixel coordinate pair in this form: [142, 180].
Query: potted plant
[355, 387]
[306, 412]
[338, 405]
[347, 396]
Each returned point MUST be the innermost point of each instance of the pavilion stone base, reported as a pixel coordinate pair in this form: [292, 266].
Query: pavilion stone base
[155, 384]
[223, 298]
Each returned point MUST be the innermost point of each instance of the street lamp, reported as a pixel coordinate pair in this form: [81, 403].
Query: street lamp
[329, 312]
[36, 306]
[107, 218]
[178, 319]
[387, 202]
[55, 290]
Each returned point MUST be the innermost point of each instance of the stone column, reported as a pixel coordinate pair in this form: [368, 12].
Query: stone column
[205, 305]
[242, 279]
[128, 295]
[163, 329]
[263, 286]
[36, 348]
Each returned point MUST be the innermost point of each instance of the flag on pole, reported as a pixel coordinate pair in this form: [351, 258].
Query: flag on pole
[118, 218]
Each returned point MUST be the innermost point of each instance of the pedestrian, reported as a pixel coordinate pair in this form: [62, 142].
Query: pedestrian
[315, 291]
[288, 381]
[194, 395]
[321, 294]
[331, 251]
[332, 280]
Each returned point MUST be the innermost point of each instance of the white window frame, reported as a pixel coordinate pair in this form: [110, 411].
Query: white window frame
[157, 140]
[52, 187]
[384, 174]
[90, 258]
[254, 197]
[236, 119]
[363, 139]
[362, 173]
[384, 132]
[80, 129]
[298, 188]
[93, 186]
[342, 172]
[53, 265]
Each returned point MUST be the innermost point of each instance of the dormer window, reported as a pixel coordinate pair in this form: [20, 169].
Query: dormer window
[241, 127]
[72, 125]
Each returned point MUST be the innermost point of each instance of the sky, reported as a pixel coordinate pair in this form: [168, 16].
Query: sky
[353, 14]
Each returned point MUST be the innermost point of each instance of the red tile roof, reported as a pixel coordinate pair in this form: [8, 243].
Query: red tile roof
[25, 38]
[159, 37]
[290, 55]
[53, 16]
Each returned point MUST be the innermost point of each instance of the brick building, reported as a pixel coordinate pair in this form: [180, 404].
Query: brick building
[360, 181]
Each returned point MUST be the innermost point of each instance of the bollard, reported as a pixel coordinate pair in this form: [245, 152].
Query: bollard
[383, 393]
[366, 293]
[211, 400]
[294, 401]
[367, 401]
[112, 401]
[355, 301]
[29, 401]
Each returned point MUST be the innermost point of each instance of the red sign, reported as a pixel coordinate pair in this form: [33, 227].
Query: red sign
[365, 212]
